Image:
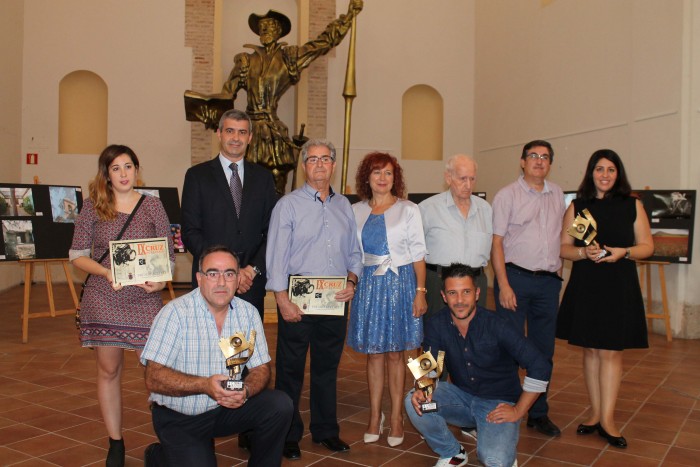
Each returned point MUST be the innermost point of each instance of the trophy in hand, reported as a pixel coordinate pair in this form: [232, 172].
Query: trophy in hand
[426, 371]
[233, 349]
[585, 229]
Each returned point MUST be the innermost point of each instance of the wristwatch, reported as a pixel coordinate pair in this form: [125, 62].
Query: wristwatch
[257, 270]
[627, 253]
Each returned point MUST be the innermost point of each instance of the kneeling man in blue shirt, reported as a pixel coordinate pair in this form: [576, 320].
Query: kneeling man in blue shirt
[483, 350]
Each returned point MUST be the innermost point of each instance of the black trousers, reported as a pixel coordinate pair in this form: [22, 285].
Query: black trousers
[256, 295]
[325, 336]
[186, 440]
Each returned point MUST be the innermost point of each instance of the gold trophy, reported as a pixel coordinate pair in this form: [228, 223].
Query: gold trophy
[233, 348]
[585, 228]
[426, 371]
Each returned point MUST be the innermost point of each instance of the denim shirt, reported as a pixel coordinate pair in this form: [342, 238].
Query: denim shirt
[485, 362]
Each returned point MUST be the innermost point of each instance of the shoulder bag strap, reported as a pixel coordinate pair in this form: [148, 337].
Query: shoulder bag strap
[126, 225]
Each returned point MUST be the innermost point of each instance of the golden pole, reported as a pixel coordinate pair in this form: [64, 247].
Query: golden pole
[349, 93]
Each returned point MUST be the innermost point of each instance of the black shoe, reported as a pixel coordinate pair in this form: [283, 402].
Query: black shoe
[334, 444]
[291, 450]
[544, 425]
[116, 454]
[244, 441]
[149, 455]
[587, 429]
[614, 441]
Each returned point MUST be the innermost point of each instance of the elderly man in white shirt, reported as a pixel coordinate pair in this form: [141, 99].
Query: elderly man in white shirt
[458, 229]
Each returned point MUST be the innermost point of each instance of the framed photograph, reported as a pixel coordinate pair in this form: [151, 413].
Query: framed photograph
[315, 295]
[138, 261]
[64, 203]
[18, 237]
[672, 218]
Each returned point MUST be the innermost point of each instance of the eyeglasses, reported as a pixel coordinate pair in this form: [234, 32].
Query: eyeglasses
[543, 157]
[324, 159]
[213, 275]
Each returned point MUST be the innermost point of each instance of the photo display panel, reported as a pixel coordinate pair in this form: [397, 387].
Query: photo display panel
[171, 202]
[672, 218]
[37, 220]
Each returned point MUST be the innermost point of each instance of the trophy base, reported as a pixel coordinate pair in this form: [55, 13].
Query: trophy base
[428, 407]
[232, 385]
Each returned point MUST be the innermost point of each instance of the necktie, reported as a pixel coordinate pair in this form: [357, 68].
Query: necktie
[236, 188]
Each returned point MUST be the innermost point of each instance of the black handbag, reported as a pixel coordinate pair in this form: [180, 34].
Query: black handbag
[82, 291]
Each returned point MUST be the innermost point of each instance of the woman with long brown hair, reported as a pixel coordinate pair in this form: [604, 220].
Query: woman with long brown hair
[602, 309]
[112, 317]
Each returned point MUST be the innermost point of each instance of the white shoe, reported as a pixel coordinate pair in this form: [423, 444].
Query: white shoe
[469, 431]
[394, 441]
[372, 438]
[456, 461]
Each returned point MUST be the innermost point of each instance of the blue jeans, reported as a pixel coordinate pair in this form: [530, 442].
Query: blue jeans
[497, 442]
[538, 303]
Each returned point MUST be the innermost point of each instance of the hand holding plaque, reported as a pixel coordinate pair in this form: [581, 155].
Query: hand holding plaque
[585, 228]
[233, 349]
[426, 371]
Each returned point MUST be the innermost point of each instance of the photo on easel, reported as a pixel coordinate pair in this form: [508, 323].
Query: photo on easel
[64, 203]
[672, 218]
[18, 239]
[16, 202]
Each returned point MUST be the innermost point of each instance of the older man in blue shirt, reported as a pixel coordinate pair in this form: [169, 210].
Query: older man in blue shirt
[312, 233]
[483, 350]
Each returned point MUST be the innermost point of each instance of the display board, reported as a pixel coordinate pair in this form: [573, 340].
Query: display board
[671, 216]
[171, 202]
[37, 220]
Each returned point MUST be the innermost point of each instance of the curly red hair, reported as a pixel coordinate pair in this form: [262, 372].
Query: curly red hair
[374, 161]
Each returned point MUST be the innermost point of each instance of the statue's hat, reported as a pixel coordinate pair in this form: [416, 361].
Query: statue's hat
[284, 22]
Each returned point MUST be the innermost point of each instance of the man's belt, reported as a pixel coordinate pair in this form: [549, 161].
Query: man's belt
[534, 273]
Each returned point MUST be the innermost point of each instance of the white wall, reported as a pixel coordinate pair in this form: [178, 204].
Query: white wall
[589, 75]
[146, 74]
[11, 38]
[585, 75]
[401, 43]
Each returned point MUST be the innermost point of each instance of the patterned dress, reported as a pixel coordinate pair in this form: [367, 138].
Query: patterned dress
[121, 318]
[381, 319]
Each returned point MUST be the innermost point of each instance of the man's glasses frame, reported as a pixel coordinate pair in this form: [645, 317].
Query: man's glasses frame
[213, 275]
[543, 157]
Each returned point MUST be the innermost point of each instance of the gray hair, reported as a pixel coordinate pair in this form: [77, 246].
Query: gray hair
[450, 165]
[235, 114]
[314, 143]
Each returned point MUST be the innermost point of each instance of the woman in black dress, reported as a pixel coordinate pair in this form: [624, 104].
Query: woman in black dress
[602, 309]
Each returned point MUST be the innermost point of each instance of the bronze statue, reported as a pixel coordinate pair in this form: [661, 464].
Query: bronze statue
[265, 74]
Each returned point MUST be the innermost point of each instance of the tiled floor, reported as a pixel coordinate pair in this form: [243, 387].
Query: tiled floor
[49, 413]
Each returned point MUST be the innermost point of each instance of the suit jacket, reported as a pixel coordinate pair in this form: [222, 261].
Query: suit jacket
[209, 216]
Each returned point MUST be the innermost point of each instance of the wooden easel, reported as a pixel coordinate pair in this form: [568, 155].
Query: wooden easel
[645, 279]
[53, 312]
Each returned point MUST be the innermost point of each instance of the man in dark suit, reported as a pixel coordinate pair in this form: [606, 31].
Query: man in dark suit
[228, 201]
